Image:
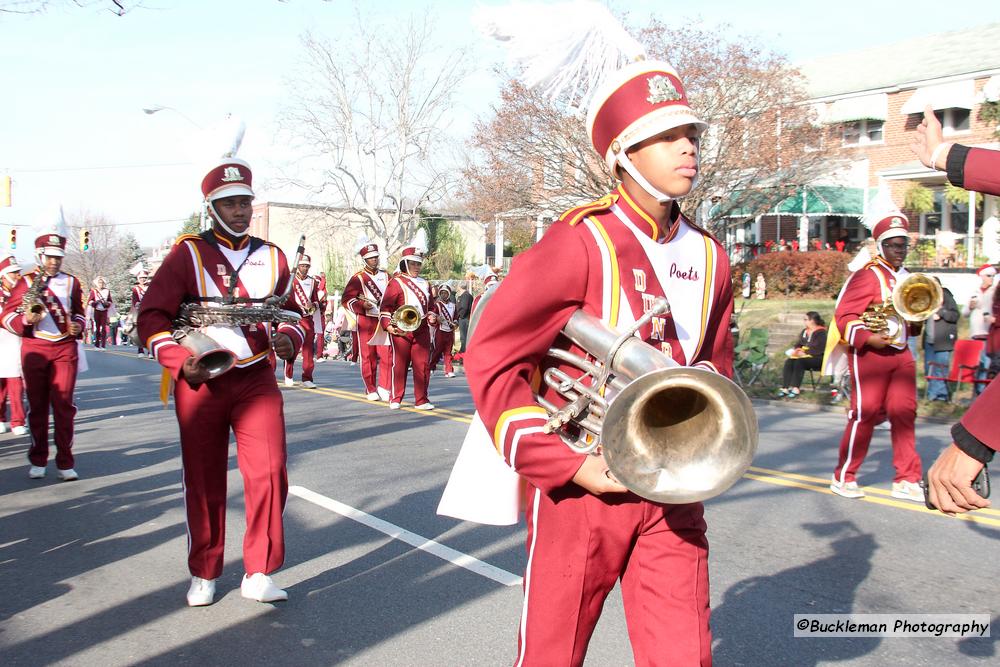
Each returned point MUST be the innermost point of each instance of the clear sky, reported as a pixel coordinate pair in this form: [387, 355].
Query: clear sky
[74, 82]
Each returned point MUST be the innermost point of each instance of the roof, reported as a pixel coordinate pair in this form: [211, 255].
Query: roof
[911, 61]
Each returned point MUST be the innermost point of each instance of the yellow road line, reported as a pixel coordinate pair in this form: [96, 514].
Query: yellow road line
[441, 413]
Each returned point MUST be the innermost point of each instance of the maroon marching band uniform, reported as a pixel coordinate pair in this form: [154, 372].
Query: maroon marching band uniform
[883, 378]
[444, 337]
[138, 291]
[375, 360]
[49, 360]
[305, 293]
[606, 259]
[319, 317]
[11, 387]
[245, 399]
[410, 348]
[101, 301]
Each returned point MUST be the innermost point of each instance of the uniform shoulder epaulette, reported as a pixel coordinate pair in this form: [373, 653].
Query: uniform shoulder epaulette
[574, 215]
[186, 237]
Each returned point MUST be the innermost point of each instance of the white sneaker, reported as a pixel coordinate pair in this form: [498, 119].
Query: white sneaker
[394, 406]
[908, 491]
[4, 427]
[321, 360]
[846, 489]
[424, 406]
[449, 375]
[68, 475]
[883, 426]
[19, 430]
[309, 384]
[140, 355]
[36, 472]
[201, 593]
[261, 588]
[383, 393]
[373, 396]
[289, 382]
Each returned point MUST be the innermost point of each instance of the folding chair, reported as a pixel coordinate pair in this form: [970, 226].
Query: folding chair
[966, 364]
[751, 356]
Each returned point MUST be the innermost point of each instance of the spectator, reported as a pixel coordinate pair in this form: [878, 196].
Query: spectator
[807, 355]
[463, 310]
[939, 337]
[979, 310]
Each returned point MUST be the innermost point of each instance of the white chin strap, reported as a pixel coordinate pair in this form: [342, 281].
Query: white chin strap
[218, 219]
[660, 197]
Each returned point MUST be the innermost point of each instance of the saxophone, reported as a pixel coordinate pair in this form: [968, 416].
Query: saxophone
[31, 302]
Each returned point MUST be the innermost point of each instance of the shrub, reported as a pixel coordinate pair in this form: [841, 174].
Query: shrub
[799, 274]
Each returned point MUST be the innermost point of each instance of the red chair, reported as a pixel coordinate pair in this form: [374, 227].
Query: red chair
[965, 362]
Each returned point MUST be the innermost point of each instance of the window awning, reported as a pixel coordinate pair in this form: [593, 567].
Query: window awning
[954, 95]
[865, 107]
[991, 91]
[819, 200]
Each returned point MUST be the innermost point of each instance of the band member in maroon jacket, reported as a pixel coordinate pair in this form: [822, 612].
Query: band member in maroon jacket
[976, 437]
[362, 296]
[444, 339]
[139, 291]
[319, 317]
[305, 293]
[101, 301]
[414, 347]
[11, 385]
[611, 258]
[49, 329]
[226, 265]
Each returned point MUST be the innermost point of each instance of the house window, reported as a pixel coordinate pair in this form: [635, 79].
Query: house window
[953, 120]
[861, 132]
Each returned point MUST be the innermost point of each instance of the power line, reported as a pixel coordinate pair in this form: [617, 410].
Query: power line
[44, 170]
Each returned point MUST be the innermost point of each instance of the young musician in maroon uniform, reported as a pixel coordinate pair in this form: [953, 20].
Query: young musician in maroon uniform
[976, 437]
[611, 258]
[49, 333]
[226, 265]
[101, 302]
[11, 385]
[319, 317]
[444, 339]
[139, 291]
[362, 296]
[305, 293]
[882, 368]
[414, 347]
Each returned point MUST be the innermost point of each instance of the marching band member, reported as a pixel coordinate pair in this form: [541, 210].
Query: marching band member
[408, 288]
[319, 317]
[362, 296]
[11, 385]
[102, 303]
[611, 258]
[305, 293]
[490, 281]
[882, 367]
[219, 265]
[49, 353]
[138, 292]
[444, 338]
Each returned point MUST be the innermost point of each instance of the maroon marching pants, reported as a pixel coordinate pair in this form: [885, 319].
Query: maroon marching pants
[884, 384]
[412, 348]
[101, 328]
[49, 371]
[580, 544]
[308, 362]
[444, 341]
[249, 402]
[374, 359]
[12, 389]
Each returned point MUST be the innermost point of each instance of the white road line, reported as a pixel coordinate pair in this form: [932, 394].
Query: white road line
[392, 530]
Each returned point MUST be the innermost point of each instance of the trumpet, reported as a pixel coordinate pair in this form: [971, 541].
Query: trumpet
[406, 318]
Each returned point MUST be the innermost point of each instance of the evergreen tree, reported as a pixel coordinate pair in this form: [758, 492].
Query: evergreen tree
[191, 226]
[121, 281]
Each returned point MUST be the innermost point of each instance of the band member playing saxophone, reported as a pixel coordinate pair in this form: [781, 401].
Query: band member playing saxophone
[220, 266]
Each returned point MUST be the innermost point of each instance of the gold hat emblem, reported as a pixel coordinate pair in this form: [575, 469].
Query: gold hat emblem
[897, 222]
[231, 174]
[54, 239]
[662, 89]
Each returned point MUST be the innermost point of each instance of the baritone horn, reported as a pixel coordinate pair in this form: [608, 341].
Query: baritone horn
[917, 297]
[669, 433]
[406, 318]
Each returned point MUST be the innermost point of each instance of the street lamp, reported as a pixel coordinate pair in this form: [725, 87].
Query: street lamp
[149, 111]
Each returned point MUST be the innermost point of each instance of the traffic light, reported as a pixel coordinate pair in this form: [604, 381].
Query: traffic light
[13, 238]
[84, 240]
[4, 190]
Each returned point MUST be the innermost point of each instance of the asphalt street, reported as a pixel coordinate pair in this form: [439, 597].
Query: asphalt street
[93, 572]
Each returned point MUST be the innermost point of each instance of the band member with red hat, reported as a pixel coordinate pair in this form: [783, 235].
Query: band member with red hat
[882, 367]
[102, 303]
[225, 265]
[362, 296]
[49, 328]
[11, 385]
[407, 288]
[319, 317]
[138, 292]
[612, 258]
[305, 293]
[444, 339]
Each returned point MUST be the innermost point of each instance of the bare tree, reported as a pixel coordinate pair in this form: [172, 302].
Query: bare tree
[116, 7]
[533, 155]
[100, 258]
[370, 116]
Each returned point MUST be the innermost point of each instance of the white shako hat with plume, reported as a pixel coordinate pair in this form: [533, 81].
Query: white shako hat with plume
[228, 176]
[579, 51]
[415, 250]
[884, 219]
[365, 247]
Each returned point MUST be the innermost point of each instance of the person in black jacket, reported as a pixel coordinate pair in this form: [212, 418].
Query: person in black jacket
[807, 355]
[463, 309]
[939, 336]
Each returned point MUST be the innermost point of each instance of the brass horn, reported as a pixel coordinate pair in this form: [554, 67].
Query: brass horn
[917, 297]
[406, 318]
[669, 433]
[208, 354]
